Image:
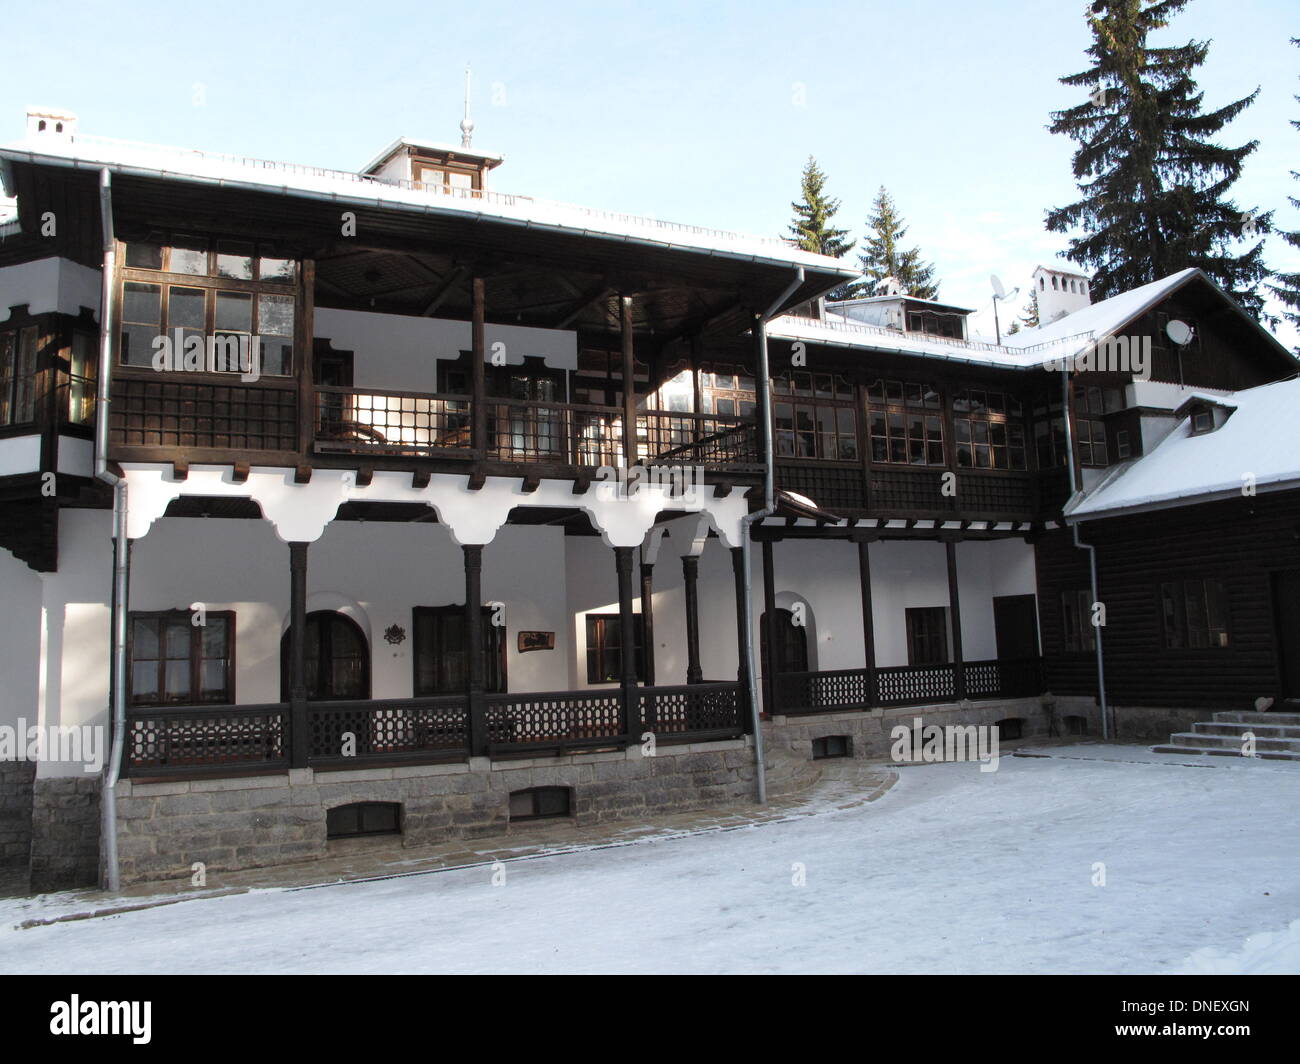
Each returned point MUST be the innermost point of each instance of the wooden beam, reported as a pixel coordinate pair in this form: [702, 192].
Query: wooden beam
[444, 290]
[594, 295]
[629, 383]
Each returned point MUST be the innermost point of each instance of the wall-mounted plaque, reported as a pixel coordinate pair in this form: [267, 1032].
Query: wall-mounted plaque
[536, 641]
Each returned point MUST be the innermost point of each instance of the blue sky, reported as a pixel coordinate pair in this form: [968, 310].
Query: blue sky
[697, 112]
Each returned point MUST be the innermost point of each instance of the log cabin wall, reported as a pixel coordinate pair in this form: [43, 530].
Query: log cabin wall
[1239, 542]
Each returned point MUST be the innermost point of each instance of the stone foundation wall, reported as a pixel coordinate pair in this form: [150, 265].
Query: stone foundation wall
[65, 833]
[872, 732]
[1139, 723]
[15, 824]
[228, 824]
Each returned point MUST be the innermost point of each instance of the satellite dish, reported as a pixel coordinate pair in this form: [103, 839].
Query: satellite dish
[1180, 332]
[999, 289]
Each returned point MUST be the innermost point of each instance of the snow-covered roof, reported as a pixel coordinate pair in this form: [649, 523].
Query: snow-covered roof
[1102, 319]
[865, 300]
[837, 331]
[432, 146]
[344, 187]
[1261, 440]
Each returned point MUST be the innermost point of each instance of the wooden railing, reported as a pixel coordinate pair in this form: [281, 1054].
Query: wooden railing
[185, 741]
[522, 430]
[903, 685]
[354, 421]
[698, 439]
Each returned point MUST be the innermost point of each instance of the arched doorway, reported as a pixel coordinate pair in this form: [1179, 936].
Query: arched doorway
[791, 646]
[337, 659]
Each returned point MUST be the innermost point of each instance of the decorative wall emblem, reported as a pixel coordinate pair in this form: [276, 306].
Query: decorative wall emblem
[395, 634]
[536, 641]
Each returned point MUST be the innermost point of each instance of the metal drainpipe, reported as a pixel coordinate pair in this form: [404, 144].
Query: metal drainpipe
[121, 546]
[763, 378]
[1092, 555]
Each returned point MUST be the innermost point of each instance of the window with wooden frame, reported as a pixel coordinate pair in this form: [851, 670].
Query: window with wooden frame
[1077, 633]
[83, 378]
[1049, 432]
[988, 429]
[440, 177]
[1194, 614]
[440, 651]
[727, 390]
[927, 635]
[18, 375]
[936, 323]
[173, 661]
[194, 287]
[905, 423]
[814, 415]
[604, 648]
[1090, 403]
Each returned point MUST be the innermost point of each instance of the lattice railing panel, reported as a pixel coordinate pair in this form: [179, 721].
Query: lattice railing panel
[159, 412]
[692, 708]
[553, 717]
[378, 730]
[915, 684]
[159, 740]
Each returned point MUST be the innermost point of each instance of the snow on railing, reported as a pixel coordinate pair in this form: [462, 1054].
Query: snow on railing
[374, 181]
[862, 328]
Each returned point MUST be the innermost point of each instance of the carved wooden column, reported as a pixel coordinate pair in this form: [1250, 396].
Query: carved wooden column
[478, 737]
[478, 364]
[629, 383]
[742, 636]
[299, 736]
[648, 621]
[954, 610]
[690, 579]
[868, 620]
[768, 625]
[627, 638]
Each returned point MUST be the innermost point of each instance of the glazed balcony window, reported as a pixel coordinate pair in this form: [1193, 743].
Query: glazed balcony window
[18, 376]
[814, 416]
[905, 423]
[988, 430]
[224, 290]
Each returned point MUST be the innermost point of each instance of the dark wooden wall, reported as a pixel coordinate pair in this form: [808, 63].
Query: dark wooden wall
[1238, 541]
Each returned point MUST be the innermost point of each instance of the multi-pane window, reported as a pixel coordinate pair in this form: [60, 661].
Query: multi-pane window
[905, 423]
[814, 416]
[988, 430]
[175, 661]
[1049, 433]
[1195, 614]
[223, 291]
[1090, 403]
[927, 635]
[441, 652]
[605, 648]
[728, 391]
[1078, 634]
[83, 373]
[936, 323]
[18, 376]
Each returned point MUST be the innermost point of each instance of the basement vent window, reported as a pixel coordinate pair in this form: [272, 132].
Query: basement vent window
[832, 746]
[1075, 725]
[539, 803]
[364, 818]
[1011, 729]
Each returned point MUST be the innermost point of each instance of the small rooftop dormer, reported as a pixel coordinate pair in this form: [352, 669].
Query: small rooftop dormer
[440, 167]
[1060, 292]
[896, 310]
[1204, 414]
[50, 122]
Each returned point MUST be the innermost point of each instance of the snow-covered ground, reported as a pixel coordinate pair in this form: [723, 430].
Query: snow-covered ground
[954, 870]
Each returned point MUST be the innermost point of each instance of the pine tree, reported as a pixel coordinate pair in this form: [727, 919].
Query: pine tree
[1287, 288]
[1153, 184]
[812, 229]
[1029, 318]
[883, 256]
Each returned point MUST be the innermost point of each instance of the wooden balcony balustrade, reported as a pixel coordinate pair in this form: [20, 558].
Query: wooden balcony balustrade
[843, 690]
[185, 741]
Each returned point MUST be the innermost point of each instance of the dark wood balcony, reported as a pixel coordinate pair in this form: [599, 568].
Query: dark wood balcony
[845, 690]
[164, 418]
[196, 741]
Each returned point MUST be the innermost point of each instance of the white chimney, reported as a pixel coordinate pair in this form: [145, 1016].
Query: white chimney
[50, 122]
[1060, 292]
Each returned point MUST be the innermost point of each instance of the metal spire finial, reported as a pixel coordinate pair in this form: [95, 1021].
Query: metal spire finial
[466, 123]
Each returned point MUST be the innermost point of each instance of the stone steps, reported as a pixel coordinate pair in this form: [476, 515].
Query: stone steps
[1277, 736]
